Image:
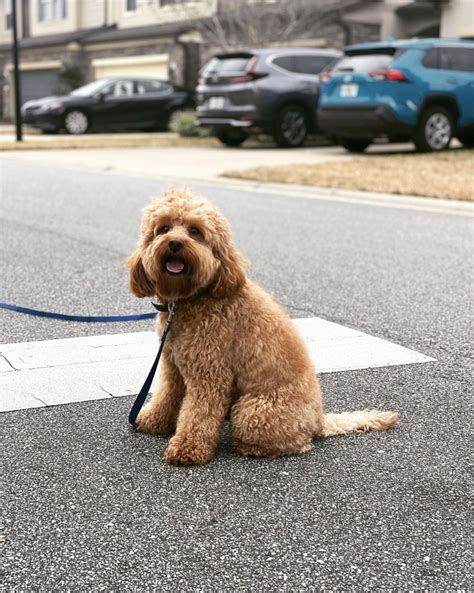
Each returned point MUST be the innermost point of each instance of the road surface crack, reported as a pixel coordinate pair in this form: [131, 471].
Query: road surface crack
[8, 362]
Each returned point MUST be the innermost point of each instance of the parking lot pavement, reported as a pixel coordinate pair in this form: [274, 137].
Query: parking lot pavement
[90, 505]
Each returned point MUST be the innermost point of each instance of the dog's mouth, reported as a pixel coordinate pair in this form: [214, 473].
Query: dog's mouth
[174, 265]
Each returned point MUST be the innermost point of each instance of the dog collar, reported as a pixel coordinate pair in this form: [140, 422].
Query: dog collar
[161, 307]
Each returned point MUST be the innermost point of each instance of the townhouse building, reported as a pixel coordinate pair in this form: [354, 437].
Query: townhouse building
[100, 38]
[81, 40]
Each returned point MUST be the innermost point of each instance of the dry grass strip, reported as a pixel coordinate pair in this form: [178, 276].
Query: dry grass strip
[448, 175]
[143, 141]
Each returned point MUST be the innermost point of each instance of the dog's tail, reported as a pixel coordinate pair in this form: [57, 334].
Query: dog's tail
[360, 421]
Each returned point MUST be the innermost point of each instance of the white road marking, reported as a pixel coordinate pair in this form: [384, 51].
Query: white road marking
[38, 374]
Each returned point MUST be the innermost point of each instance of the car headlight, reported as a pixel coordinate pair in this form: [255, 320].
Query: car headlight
[54, 106]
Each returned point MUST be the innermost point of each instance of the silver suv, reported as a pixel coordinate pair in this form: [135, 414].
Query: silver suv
[274, 91]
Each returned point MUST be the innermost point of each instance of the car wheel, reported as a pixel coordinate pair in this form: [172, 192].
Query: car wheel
[466, 139]
[76, 122]
[231, 137]
[291, 127]
[355, 144]
[435, 130]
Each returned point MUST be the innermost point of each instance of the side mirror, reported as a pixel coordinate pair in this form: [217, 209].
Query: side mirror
[102, 95]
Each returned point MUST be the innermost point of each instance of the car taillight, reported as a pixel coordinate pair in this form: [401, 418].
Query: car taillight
[393, 75]
[325, 76]
[246, 77]
[243, 78]
[249, 73]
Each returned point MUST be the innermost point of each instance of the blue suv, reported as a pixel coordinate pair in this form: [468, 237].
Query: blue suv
[420, 90]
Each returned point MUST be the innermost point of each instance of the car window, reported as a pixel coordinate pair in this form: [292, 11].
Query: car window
[90, 89]
[364, 63]
[123, 88]
[456, 58]
[151, 86]
[308, 64]
[286, 63]
[223, 66]
[431, 58]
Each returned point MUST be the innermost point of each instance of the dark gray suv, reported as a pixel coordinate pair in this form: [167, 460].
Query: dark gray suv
[274, 91]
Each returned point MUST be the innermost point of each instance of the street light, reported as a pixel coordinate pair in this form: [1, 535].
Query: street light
[16, 75]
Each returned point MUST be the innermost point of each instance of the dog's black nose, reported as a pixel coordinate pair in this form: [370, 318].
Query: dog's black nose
[175, 245]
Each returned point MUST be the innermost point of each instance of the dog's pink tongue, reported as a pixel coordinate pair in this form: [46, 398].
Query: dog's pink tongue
[174, 266]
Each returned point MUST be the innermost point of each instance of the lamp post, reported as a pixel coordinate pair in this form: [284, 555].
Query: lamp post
[16, 75]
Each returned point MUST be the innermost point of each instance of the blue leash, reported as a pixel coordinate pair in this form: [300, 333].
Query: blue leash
[141, 397]
[82, 318]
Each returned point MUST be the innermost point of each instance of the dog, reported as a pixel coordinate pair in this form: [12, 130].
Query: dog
[232, 351]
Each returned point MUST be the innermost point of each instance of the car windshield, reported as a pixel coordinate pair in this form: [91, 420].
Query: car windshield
[89, 89]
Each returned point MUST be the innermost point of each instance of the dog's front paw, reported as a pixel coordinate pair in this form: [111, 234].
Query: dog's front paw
[151, 421]
[187, 451]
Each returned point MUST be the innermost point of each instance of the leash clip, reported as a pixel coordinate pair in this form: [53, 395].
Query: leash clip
[171, 307]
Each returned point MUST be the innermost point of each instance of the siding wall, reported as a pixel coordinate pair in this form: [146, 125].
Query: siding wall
[150, 13]
[91, 14]
[458, 19]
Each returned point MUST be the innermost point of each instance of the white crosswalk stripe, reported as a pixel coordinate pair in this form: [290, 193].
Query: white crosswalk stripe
[46, 373]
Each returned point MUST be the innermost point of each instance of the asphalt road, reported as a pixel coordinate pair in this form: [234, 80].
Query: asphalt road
[90, 506]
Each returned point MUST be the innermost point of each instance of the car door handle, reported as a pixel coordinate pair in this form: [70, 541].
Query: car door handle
[452, 80]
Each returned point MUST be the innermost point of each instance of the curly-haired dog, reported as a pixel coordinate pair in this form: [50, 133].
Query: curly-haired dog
[231, 347]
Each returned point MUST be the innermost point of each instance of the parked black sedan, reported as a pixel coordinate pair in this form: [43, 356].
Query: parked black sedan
[111, 103]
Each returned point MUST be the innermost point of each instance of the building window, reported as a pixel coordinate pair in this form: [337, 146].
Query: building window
[130, 5]
[51, 9]
[8, 14]
[172, 2]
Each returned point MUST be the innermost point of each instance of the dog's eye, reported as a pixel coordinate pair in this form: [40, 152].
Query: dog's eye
[163, 230]
[194, 232]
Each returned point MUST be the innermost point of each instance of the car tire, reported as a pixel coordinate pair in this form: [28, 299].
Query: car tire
[231, 137]
[355, 144]
[291, 127]
[466, 139]
[435, 130]
[76, 122]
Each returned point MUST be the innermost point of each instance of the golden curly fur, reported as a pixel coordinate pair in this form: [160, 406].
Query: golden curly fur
[232, 349]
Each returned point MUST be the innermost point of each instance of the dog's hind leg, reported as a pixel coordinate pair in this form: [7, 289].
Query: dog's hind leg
[159, 415]
[280, 422]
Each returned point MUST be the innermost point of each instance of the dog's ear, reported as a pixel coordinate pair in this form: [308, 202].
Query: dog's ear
[138, 282]
[230, 276]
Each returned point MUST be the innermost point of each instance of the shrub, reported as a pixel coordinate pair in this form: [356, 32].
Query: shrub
[184, 123]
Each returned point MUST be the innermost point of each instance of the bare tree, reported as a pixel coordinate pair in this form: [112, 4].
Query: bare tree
[259, 23]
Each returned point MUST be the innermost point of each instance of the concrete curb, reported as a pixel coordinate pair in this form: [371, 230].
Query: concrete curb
[343, 195]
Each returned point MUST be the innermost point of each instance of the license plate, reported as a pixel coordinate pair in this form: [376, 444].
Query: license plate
[349, 90]
[216, 103]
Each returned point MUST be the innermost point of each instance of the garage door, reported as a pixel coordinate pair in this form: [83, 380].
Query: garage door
[35, 84]
[154, 66]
